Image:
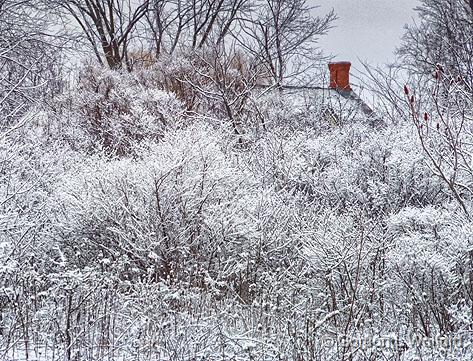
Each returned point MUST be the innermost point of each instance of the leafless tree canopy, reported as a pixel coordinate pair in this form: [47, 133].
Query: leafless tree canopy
[28, 57]
[282, 35]
[443, 37]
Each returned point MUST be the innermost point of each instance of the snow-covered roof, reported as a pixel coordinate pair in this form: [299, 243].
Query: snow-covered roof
[336, 105]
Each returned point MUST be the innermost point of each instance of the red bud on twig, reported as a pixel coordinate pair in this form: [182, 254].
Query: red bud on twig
[406, 90]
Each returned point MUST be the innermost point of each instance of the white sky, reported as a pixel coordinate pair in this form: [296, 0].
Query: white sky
[366, 29]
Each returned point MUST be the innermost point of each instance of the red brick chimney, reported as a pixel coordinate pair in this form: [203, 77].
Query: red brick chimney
[340, 75]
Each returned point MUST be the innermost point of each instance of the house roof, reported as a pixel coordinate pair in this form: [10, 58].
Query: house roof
[338, 105]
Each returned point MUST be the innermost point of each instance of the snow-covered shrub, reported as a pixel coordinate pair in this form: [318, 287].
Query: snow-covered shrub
[179, 213]
[26, 171]
[357, 166]
[147, 217]
[112, 111]
[216, 82]
[429, 257]
[171, 73]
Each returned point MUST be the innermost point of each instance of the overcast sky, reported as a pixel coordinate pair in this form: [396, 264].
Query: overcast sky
[366, 29]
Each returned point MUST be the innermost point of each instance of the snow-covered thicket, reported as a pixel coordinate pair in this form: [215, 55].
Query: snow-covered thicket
[132, 228]
[179, 210]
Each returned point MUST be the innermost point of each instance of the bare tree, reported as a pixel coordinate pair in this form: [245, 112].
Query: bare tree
[192, 23]
[283, 34]
[30, 63]
[439, 56]
[444, 126]
[108, 26]
[443, 37]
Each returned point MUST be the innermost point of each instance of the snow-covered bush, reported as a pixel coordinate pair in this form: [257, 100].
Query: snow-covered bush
[429, 259]
[147, 217]
[379, 171]
[113, 111]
